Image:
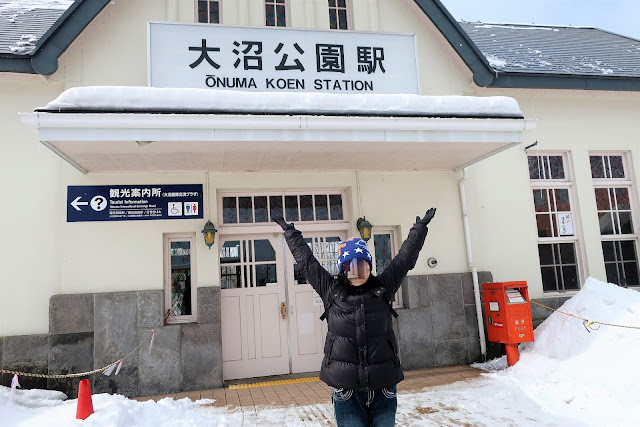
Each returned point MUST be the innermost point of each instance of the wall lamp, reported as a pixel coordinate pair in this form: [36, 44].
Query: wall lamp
[364, 227]
[209, 233]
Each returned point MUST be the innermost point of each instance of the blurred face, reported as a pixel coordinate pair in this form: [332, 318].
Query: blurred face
[358, 271]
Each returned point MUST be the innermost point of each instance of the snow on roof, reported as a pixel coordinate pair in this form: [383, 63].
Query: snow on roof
[556, 50]
[24, 22]
[186, 100]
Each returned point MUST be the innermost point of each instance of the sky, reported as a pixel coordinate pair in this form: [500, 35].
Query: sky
[569, 376]
[618, 16]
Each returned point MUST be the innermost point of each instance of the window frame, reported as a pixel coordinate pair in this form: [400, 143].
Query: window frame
[180, 237]
[221, 195]
[349, 10]
[395, 247]
[555, 184]
[197, 18]
[612, 183]
[287, 14]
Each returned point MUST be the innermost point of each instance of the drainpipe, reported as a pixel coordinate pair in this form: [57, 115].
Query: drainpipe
[474, 271]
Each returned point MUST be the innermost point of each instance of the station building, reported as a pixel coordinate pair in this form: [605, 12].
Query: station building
[146, 145]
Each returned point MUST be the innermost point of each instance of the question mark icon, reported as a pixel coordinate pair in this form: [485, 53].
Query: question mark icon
[98, 203]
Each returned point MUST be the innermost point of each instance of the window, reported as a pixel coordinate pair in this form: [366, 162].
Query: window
[614, 192]
[338, 15]
[180, 283]
[256, 209]
[557, 239]
[275, 13]
[208, 11]
[385, 247]
[247, 264]
[325, 249]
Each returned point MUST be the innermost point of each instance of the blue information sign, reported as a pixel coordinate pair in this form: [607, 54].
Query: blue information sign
[133, 202]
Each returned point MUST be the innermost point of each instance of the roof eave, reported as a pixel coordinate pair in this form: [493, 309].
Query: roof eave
[56, 40]
[554, 81]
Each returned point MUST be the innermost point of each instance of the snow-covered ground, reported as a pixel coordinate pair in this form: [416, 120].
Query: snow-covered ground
[570, 376]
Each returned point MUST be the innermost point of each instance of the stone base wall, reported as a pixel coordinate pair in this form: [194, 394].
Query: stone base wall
[90, 331]
[438, 326]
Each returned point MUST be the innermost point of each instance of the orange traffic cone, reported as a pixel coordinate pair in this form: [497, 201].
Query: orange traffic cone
[85, 405]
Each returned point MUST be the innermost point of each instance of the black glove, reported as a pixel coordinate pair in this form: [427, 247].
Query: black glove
[282, 223]
[427, 217]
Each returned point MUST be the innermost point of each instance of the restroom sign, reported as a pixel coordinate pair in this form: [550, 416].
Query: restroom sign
[133, 202]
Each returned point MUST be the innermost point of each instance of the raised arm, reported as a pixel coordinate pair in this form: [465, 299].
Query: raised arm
[397, 270]
[319, 278]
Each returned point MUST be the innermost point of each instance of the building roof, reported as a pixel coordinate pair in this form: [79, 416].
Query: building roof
[23, 23]
[34, 33]
[499, 55]
[579, 51]
[483, 61]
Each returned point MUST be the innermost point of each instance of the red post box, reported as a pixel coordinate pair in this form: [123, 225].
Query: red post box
[507, 312]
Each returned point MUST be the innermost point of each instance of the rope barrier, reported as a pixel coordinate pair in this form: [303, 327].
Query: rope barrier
[95, 371]
[588, 324]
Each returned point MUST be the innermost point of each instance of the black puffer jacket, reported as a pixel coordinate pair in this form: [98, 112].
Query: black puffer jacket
[361, 351]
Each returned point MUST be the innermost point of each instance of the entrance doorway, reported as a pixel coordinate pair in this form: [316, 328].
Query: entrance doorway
[270, 314]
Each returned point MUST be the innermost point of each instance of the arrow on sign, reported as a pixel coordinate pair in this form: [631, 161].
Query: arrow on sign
[77, 203]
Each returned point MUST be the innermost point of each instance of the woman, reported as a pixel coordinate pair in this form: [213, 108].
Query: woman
[361, 361]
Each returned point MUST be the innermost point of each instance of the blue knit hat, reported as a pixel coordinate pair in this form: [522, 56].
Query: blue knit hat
[353, 248]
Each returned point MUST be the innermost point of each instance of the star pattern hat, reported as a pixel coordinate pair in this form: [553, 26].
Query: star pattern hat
[353, 248]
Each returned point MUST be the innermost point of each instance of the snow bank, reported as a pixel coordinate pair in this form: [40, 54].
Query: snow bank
[143, 99]
[588, 374]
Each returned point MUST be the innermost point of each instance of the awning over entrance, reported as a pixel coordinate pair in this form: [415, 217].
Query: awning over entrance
[128, 129]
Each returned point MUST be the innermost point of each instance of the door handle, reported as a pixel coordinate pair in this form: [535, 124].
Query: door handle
[283, 310]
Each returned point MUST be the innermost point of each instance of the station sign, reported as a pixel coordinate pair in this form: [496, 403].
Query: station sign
[134, 202]
[263, 59]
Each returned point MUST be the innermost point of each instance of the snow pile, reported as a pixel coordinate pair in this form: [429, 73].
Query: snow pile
[47, 408]
[575, 371]
[143, 99]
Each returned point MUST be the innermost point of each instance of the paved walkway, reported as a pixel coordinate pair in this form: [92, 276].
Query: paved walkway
[253, 394]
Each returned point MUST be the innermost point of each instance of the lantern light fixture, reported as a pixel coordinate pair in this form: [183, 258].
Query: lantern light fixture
[364, 227]
[209, 233]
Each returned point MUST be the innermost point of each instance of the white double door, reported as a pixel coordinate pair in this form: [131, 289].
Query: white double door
[270, 314]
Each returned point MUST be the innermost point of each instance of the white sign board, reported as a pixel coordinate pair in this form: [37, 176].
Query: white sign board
[280, 59]
[565, 224]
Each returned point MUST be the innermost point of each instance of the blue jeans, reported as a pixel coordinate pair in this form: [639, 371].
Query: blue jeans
[374, 408]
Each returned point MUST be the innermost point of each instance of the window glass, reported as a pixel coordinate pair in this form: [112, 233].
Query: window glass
[245, 209]
[383, 255]
[230, 252]
[260, 207]
[335, 206]
[229, 211]
[180, 278]
[230, 277]
[264, 250]
[306, 208]
[275, 205]
[597, 166]
[275, 13]
[322, 210]
[556, 166]
[338, 14]
[209, 12]
[291, 208]
[266, 274]
[617, 167]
